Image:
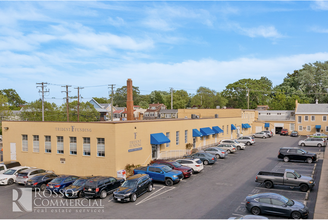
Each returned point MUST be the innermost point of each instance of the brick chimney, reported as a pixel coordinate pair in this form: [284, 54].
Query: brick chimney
[129, 101]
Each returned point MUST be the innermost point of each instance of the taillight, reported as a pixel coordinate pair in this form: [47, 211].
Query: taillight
[97, 189]
[222, 152]
[83, 188]
[57, 186]
[247, 202]
[47, 184]
[35, 184]
[256, 177]
[213, 158]
[234, 148]
[197, 165]
[25, 177]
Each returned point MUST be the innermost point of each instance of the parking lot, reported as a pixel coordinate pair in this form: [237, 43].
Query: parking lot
[219, 191]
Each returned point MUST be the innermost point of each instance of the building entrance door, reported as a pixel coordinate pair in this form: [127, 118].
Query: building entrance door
[154, 151]
[12, 151]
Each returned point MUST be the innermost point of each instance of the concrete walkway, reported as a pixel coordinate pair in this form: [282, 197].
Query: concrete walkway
[321, 210]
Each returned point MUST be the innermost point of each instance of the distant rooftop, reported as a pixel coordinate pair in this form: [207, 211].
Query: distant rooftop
[312, 108]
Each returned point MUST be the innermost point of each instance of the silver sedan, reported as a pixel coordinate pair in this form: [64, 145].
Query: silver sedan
[261, 135]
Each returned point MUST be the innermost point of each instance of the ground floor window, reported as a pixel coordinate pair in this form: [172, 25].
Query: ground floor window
[168, 136]
[308, 128]
[300, 128]
[101, 147]
[86, 146]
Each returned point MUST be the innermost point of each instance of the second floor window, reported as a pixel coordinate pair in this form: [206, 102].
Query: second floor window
[299, 119]
[312, 118]
[177, 138]
[101, 147]
[186, 136]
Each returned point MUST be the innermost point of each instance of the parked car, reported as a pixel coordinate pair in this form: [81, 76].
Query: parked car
[25, 175]
[288, 178]
[161, 173]
[240, 146]
[318, 135]
[217, 152]
[206, 158]
[196, 165]
[75, 190]
[261, 135]
[40, 181]
[60, 182]
[275, 204]
[7, 165]
[9, 176]
[187, 171]
[313, 142]
[133, 187]
[246, 140]
[100, 186]
[230, 148]
[284, 132]
[269, 133]
[296, 153]
[294, 134]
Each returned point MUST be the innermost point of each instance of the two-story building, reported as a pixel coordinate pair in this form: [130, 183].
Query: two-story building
[168, 113]
[153, 111]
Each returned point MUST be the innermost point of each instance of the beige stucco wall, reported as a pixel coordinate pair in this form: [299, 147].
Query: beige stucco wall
[318, 121]
[209, 113]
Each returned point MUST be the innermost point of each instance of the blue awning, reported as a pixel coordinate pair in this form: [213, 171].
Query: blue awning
[217, 129]
[196, 133]
[267, 125]
[245, 125]
[207, 131]
[317, 126]
[233, 127]
[159, 138]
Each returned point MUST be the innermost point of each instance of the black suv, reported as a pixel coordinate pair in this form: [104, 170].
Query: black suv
[100, 186]
[133, 187]
[295, 153]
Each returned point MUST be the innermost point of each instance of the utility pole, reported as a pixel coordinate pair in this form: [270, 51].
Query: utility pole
[111, 107]
[247, 98]
[171, 98]
[43, 85]
[67, 100]
[78, 102]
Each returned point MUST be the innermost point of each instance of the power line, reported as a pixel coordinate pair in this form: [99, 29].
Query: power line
[43, 85]
[78, 102]
[67, 100]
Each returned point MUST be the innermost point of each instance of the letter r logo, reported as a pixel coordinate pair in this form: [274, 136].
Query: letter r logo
[22, 200]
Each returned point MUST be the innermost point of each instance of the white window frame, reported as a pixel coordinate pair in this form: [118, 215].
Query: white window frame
[168, 136]
[72, 145]
[300, 128]
[324, 118]
[312, 117]
[186, 136]
[36, 144]
[24, 142]
[60, 145]
[177, 134]
[101, 147]
[47, 144]
[86, 146]
[306, 118]
[308, 128]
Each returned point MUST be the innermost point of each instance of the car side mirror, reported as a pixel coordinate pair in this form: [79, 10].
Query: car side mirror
[303, 153]
[284, 205]
[295, 177]
[162, 172]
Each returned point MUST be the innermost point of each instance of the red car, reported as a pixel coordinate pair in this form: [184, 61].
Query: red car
[187, 171]
[284, 132]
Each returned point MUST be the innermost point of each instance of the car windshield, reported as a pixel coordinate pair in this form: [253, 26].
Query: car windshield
[9, 172]
[290, 202]
[57, 180]
[79, 182]
[236, 142]
[287, 201]
[166, 169]
[129, 183]
[176, 164]
[199, 161]
[297, 174]
[303, 151]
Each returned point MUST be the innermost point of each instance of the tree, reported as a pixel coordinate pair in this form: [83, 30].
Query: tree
[181, 99]
[4, 110]
[207, 98]
[259, 93]
[144, 104]
[33, 112]
[86, 110]
[157, 96]
[14, 100]
[102, 100]
[120, 96]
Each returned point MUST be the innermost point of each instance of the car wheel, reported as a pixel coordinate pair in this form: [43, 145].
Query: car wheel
[228, 151]
[248, 143]
[10, 181]
[205, 162]
[217, 156]
[268, 184]
[103, 194]
[238, 147]
[319, 145]
[309, 160]
[296, 215]
[302, 144]
[81, 194]
[255, 210]
[43, 187]
[192, 170]
[286, 159]
[150, 188]
[133, 197]
[304, 187]
[168, 182]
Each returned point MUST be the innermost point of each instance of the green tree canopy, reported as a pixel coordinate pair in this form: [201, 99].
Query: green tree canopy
[33, 112]
[86, 110]
[181, 99]
[102, 100]
[207, 98]
[14, 100]
[120, 96]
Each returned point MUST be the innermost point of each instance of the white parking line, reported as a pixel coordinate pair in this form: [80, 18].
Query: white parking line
[152, 195]
[236, 214]
[282, 190]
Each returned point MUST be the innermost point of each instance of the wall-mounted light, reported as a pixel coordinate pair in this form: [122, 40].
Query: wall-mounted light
[6, 128]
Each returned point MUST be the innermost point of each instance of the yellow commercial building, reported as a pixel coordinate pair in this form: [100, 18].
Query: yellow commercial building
[103, 148]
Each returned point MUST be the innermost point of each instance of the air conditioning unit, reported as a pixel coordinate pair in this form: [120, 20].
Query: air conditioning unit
[216, 116]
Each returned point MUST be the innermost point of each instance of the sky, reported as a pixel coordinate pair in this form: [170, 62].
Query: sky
[158, 44]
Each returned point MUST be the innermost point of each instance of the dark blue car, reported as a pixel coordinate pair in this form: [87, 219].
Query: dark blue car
[59, 183]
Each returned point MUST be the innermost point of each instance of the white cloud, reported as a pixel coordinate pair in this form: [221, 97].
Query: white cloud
[260, 31]
[320, 5]
[319, 30]
[116, 21]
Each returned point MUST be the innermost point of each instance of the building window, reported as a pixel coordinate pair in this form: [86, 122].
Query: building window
[177, 138]
[167, 115]
[60, 144]
[47, 144]
[306, 118]
[324, 118]
[299, 119]
[173, 115]
[151, 114]
[268, 113]
[223, 129]
[326, 128]
[227, 129]
[308, 128]
[292, 126]
[24, 143]
[312, 118]
[168, 136]
[186, 136]
[35, 143]
[86, 146]
[300, 128]
[101, 147]
[72, 145]
[278, 113]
